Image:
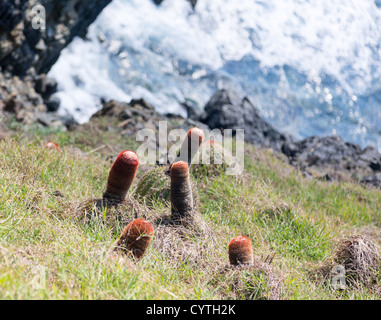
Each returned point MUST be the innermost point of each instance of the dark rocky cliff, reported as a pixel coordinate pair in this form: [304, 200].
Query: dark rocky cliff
[25, 49]
[28, 51]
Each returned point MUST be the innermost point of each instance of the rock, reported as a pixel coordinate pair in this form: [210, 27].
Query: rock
[321, 156]
[24, 47]
[226, 110]
[113, 108]
[20, 98]
[53, 104]
[332, 150]
[372, 157]
[50, 120]
[11, 13]
[135, 116]
[372, 180]
[69, 121]
[289, 149]
[326, 158]
[41, 46]
[45, 86]
[192, 2]
[142, 103]
[192, 112]
[12, 105]
[27, 53]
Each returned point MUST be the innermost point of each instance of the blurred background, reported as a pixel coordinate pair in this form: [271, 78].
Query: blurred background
[310, 67]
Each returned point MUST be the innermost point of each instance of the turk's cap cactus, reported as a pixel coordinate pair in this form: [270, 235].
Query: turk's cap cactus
[189, 147]
[240, 251]
[52, 146]
[122, 175]
[181, 190]
[136, 237]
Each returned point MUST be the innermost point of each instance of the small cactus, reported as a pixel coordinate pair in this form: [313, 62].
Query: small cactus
[190, 145]
[136, 238]
[121, 176]
[240, 251]
[181, 191]
[52, 145]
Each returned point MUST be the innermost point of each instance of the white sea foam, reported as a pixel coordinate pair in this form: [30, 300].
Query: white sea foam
[169, 54]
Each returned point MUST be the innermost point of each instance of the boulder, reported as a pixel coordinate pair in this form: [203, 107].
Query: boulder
[372, 180]
[29, 50]
[333, 157]
[226, 110]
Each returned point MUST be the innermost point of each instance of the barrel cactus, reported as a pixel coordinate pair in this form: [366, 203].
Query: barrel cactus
[156, 185]
[52, 146]
[190, 146]
[136, 238]
[121, 176]
[240, 251]
[181, 191]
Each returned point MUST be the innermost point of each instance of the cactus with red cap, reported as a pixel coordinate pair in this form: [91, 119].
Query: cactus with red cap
[181, 191]
[240, 251]
[136, 238]
[52, 145]
[121, 176]
[190, 145]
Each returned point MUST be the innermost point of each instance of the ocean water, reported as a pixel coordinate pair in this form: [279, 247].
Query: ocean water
[310, 67]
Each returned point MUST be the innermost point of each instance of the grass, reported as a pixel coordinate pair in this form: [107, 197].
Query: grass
[294, 224]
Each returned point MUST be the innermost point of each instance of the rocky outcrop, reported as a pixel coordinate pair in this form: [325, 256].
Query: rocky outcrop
[226, 110]
[332, 158]
[27, 48]
[372, 180]
[138, 114]
[329, 158]
[28, 51]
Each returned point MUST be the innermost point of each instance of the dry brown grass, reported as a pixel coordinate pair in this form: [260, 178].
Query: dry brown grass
[359, 255]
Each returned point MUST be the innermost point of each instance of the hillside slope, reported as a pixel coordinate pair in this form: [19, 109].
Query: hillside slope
[50, 250]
